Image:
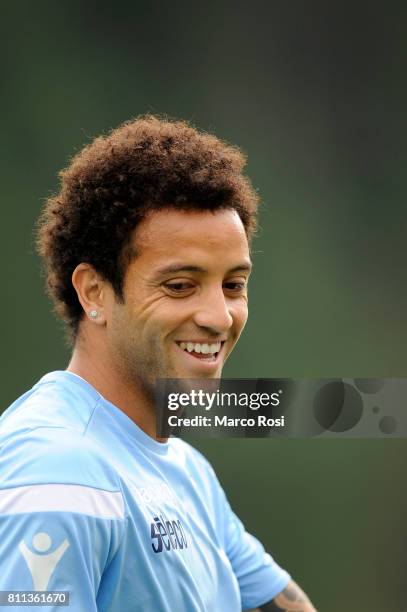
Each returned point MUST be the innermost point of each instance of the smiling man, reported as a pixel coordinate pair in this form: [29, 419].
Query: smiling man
[147, 254]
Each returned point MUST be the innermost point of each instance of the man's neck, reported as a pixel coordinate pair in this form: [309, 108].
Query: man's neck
[108, 381]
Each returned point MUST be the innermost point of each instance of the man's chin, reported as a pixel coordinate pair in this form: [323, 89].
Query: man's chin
[197, 373]
[190, 367]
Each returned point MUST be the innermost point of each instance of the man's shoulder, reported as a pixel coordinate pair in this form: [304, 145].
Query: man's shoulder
[43, 439]
[51, 455]
[58, 399]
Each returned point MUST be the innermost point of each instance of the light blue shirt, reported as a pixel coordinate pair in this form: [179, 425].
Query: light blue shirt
[92, 505]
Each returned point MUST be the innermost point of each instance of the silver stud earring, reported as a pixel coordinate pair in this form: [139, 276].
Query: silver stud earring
[93, 314]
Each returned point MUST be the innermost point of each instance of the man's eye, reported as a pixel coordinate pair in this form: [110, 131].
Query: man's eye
[235, 286]
[180, 287]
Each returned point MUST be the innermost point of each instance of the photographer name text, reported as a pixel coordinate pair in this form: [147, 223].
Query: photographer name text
[225, 421]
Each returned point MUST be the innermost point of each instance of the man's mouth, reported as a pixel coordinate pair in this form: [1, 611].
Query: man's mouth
[205, 351]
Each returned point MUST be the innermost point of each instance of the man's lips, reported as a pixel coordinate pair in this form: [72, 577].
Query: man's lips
[204, 350]
[202, 340]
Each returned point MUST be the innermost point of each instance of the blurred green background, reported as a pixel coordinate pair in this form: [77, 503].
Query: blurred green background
[315, 94]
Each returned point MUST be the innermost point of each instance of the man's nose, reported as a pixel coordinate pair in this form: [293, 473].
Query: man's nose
[213, 312]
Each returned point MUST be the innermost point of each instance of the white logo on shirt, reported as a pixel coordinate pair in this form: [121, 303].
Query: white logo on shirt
[154, 493]
[40, 564]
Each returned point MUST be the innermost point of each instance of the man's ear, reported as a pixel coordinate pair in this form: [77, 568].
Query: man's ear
[91, 291]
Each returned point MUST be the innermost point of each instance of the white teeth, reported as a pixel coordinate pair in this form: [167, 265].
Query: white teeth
[205, 349]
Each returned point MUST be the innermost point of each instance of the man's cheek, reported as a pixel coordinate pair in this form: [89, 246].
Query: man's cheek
[241, 317]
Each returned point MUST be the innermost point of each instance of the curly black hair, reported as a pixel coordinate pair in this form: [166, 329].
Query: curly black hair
[146, 164]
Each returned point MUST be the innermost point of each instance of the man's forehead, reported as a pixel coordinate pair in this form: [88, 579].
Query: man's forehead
[172, 241]
[169, 229]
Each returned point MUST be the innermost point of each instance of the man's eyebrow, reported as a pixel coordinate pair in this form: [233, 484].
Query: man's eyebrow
[243, 267]
[175, 268]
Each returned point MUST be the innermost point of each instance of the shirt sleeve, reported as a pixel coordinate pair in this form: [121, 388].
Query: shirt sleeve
[62, 518]
[260, 578]
[49, 548]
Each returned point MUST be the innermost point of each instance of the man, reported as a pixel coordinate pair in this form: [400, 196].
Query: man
[147, 254]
